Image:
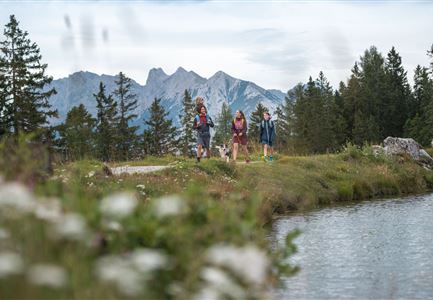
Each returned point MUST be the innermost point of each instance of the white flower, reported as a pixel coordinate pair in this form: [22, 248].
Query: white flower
[17, 196]
[4, 234]
[10, 263]
[112, 225]
[248, 262]
[49, 210]
[71, 226]
[47, 275]
[169, 206]
[120, 272]
[219, 281]
[147, 260]
[140, 186]
[91, 174]
[118, 205]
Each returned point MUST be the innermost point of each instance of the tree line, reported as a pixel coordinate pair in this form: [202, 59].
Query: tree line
[375, 102]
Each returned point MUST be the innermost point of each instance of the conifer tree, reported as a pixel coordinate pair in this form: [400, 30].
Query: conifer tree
[77, 133]
[223, 129]
[24, 105]
[186, 141]
[127, 103]
[106, 124]
[256, 118]
[160, 136]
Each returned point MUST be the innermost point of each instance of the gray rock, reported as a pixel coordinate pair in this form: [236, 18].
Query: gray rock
[399, 146]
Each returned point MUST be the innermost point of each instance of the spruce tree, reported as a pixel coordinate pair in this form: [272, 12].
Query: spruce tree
[256, 118]
[186, 141]
[106, 125]
[223, 129]
[160, 135]
[127, 103]
[77, 133]
[24, 105]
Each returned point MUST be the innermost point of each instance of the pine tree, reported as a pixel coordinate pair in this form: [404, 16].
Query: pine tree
[77, 132]
[256, 118]
[127, 103]
[186, 141]
[160, 134]
[106, 126]
[396, 106]
[223, 129]
[23, 101]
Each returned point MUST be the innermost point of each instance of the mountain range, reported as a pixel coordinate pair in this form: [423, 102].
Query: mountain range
[79, 88]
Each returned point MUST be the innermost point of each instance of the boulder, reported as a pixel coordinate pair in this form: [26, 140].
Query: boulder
[408, 146]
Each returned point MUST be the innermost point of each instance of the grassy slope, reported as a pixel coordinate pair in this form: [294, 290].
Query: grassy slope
[290, 183]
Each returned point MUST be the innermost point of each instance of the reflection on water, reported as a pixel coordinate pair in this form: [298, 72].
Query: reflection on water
[380, 249]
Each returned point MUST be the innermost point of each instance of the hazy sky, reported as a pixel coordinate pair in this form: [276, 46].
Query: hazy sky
[275, 44]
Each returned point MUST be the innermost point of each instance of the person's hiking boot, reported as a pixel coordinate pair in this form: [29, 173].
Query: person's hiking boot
[271, 158]
[198, 159]
[265, 158]
[247, 161]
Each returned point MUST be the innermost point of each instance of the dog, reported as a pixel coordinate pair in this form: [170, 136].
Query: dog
[224, 152]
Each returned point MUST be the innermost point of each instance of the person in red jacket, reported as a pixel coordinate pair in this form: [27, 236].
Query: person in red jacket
[239, 131]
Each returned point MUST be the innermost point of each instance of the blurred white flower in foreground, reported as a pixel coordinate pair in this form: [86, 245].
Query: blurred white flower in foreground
[49, 210]
[118, 205]
[10, 264]
[169, 206]
[120, 272]
[17, 196]
[248, 262]
[71, 226]
[219, 284]
[147, 260]
[47, 275]
[4, 234]
[112, 225]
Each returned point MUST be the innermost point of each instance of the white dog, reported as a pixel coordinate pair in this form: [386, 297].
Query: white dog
[224, 152]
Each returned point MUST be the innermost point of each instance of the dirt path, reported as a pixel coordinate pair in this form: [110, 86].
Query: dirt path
[137, 169]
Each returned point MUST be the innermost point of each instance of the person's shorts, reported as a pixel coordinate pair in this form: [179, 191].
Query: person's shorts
[243, 140]
[265, 142]
[204, 140]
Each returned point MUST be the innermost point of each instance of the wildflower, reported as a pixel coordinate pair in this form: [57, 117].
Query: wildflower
[4, 234]
[91, 174]
[112, 225]
[47, 275]
[140, 186]
[49, 210]
[147, 260]
[71, 226]
[118, 205]
[248, 262]
[17, 196]
[219, 281]
[169, 206]
[120, 272]
[10, 264]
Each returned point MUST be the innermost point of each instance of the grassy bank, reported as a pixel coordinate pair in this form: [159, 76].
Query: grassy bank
[192, 230]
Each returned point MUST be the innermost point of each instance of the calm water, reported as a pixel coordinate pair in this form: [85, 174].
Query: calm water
[372, 250]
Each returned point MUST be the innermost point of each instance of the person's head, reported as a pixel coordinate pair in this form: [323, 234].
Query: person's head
[203, 110]
[199, 100]
[266, 115]
[240, 114]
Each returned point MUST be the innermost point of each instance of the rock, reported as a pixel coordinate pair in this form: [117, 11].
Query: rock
[398, 146]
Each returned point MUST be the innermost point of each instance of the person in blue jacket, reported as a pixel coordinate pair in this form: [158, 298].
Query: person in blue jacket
[267, 136]
[202, 123]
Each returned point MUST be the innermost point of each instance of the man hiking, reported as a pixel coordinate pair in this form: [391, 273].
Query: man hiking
[267, 136]
[203, 123]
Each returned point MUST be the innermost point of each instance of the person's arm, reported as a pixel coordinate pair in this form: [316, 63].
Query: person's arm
[196, 124]
[233, 128]
[261, 132]
[245, 128]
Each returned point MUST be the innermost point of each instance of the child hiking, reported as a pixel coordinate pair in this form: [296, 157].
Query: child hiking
[239, 130]
[203, 123]
[267, 136]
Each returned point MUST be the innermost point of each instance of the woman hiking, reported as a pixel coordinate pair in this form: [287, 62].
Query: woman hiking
[239, 130]
[203, 123]
[267, 136]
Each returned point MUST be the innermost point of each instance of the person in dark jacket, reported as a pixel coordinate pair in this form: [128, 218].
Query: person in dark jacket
[202, 123]
[267, 136]
[239, 131]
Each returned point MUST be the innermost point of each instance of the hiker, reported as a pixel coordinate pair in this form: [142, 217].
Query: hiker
[239, 130]
[267, 136]
[203, 123]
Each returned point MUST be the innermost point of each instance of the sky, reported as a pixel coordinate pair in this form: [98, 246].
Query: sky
[275, 44]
